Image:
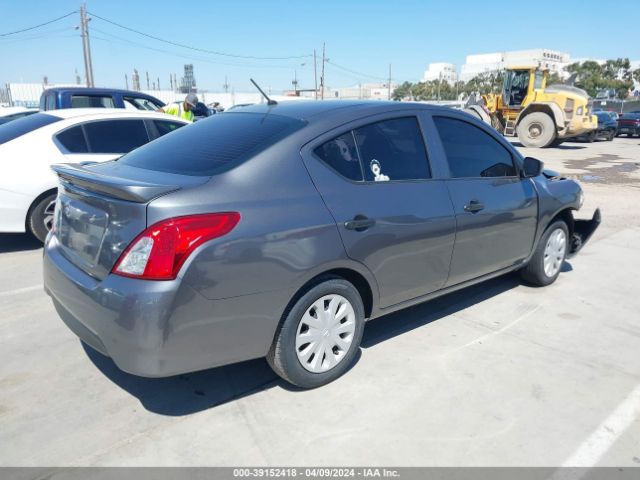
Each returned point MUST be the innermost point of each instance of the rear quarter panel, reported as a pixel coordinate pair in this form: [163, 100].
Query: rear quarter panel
[285, 234]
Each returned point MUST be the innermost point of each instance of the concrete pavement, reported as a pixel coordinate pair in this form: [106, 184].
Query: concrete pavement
[498, 374]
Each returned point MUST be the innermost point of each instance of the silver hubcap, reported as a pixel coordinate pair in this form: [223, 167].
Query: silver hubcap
[535, 130]
[554, 252]
[325, 333]
[48, 215]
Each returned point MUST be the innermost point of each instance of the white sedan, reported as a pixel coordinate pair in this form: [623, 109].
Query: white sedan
[30, 145]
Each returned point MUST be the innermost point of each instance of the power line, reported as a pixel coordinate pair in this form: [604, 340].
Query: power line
[39, 25]
[126, 41]
[354, 72]
[203, 50]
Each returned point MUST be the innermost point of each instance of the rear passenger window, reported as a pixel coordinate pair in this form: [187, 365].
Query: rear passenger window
[472, 153]
[92, 101]
[393, 150]
[116, 136]
[341, 155]
[73, 140]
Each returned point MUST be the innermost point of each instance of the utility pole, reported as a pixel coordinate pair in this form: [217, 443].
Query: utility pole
[86, 46]
[315, 72]
[159, 84]
[295, 82]
[389, 85]
[322, 74]
[126, 81]
[148, 84]
[226, 85]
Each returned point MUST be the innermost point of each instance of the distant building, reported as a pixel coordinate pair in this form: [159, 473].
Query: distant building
[441, 71]
[476, 65]
[364, 91]
[188, 83]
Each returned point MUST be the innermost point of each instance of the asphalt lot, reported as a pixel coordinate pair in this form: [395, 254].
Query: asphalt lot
[498, 374]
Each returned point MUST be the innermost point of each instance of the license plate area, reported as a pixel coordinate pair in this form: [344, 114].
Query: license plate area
[81, 229]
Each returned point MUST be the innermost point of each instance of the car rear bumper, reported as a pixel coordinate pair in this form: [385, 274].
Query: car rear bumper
[632, 129]
[582, 232]
[161, 328]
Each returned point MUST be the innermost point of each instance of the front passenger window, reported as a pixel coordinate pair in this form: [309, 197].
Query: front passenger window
[471, 152]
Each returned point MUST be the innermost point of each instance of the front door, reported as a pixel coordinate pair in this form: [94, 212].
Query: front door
[392, 216]
[496, 210]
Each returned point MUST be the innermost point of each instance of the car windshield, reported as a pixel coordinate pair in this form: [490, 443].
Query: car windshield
[213, 145]
[16, 128]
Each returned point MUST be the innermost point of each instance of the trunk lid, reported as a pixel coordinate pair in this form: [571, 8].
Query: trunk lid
[102, 208]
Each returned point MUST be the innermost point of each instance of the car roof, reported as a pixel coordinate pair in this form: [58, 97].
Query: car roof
[66, 113]
[312, 110]
[91, 90]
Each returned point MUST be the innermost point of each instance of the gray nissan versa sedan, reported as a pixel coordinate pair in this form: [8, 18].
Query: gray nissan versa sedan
[277, 230]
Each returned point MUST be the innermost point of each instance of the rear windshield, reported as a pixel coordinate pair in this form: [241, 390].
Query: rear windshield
[16, 128]
[213, 145]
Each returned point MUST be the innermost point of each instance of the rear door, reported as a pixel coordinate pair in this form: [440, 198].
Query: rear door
[393, 217]
[496, 210]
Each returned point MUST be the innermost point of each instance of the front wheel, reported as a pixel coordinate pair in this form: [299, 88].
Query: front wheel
[320, 335]
[536, 130]
[545, 264]
[40, 218]
[611, 136]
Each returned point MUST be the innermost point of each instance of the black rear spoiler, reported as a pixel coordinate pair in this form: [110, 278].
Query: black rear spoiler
[79, 175]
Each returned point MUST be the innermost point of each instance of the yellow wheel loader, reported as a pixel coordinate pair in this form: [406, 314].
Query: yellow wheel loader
[540, 116]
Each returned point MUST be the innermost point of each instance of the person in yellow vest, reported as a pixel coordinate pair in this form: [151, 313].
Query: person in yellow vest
[183, 110]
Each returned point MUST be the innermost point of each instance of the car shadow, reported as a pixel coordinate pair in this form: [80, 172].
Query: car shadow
[17, 242]
[563, 146]
[193, 392]
[398, 323]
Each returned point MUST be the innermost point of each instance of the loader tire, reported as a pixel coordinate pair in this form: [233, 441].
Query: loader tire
[536, 130]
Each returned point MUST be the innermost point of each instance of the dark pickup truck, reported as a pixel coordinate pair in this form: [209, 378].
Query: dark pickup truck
[82, 97]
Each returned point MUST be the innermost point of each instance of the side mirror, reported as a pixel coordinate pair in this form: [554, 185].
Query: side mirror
[532, 167]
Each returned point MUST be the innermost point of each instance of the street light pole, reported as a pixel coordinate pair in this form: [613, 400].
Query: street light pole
[86, 46]
[315, 73]
[322, 74]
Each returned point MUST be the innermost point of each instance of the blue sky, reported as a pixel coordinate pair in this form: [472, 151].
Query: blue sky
[362, 36]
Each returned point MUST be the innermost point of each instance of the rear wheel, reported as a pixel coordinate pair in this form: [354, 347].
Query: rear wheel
[536, 130]
[611, 135]
[40, 218]
[592, 136]
[545, 264]
[320, 335]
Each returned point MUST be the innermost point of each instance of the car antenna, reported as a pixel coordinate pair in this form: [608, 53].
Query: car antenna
[269, 101]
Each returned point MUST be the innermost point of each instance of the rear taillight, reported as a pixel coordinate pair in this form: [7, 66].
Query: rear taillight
[160, 251]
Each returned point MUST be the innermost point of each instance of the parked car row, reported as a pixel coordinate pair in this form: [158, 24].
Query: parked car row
[613, 124]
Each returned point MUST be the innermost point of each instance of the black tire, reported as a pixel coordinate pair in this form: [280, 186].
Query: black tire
[534, 273]
[592, 136]
[283, 356]
[40, 216]
[611, 136]
[537, 130]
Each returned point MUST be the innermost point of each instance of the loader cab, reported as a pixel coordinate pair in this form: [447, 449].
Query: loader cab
[519, 83]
